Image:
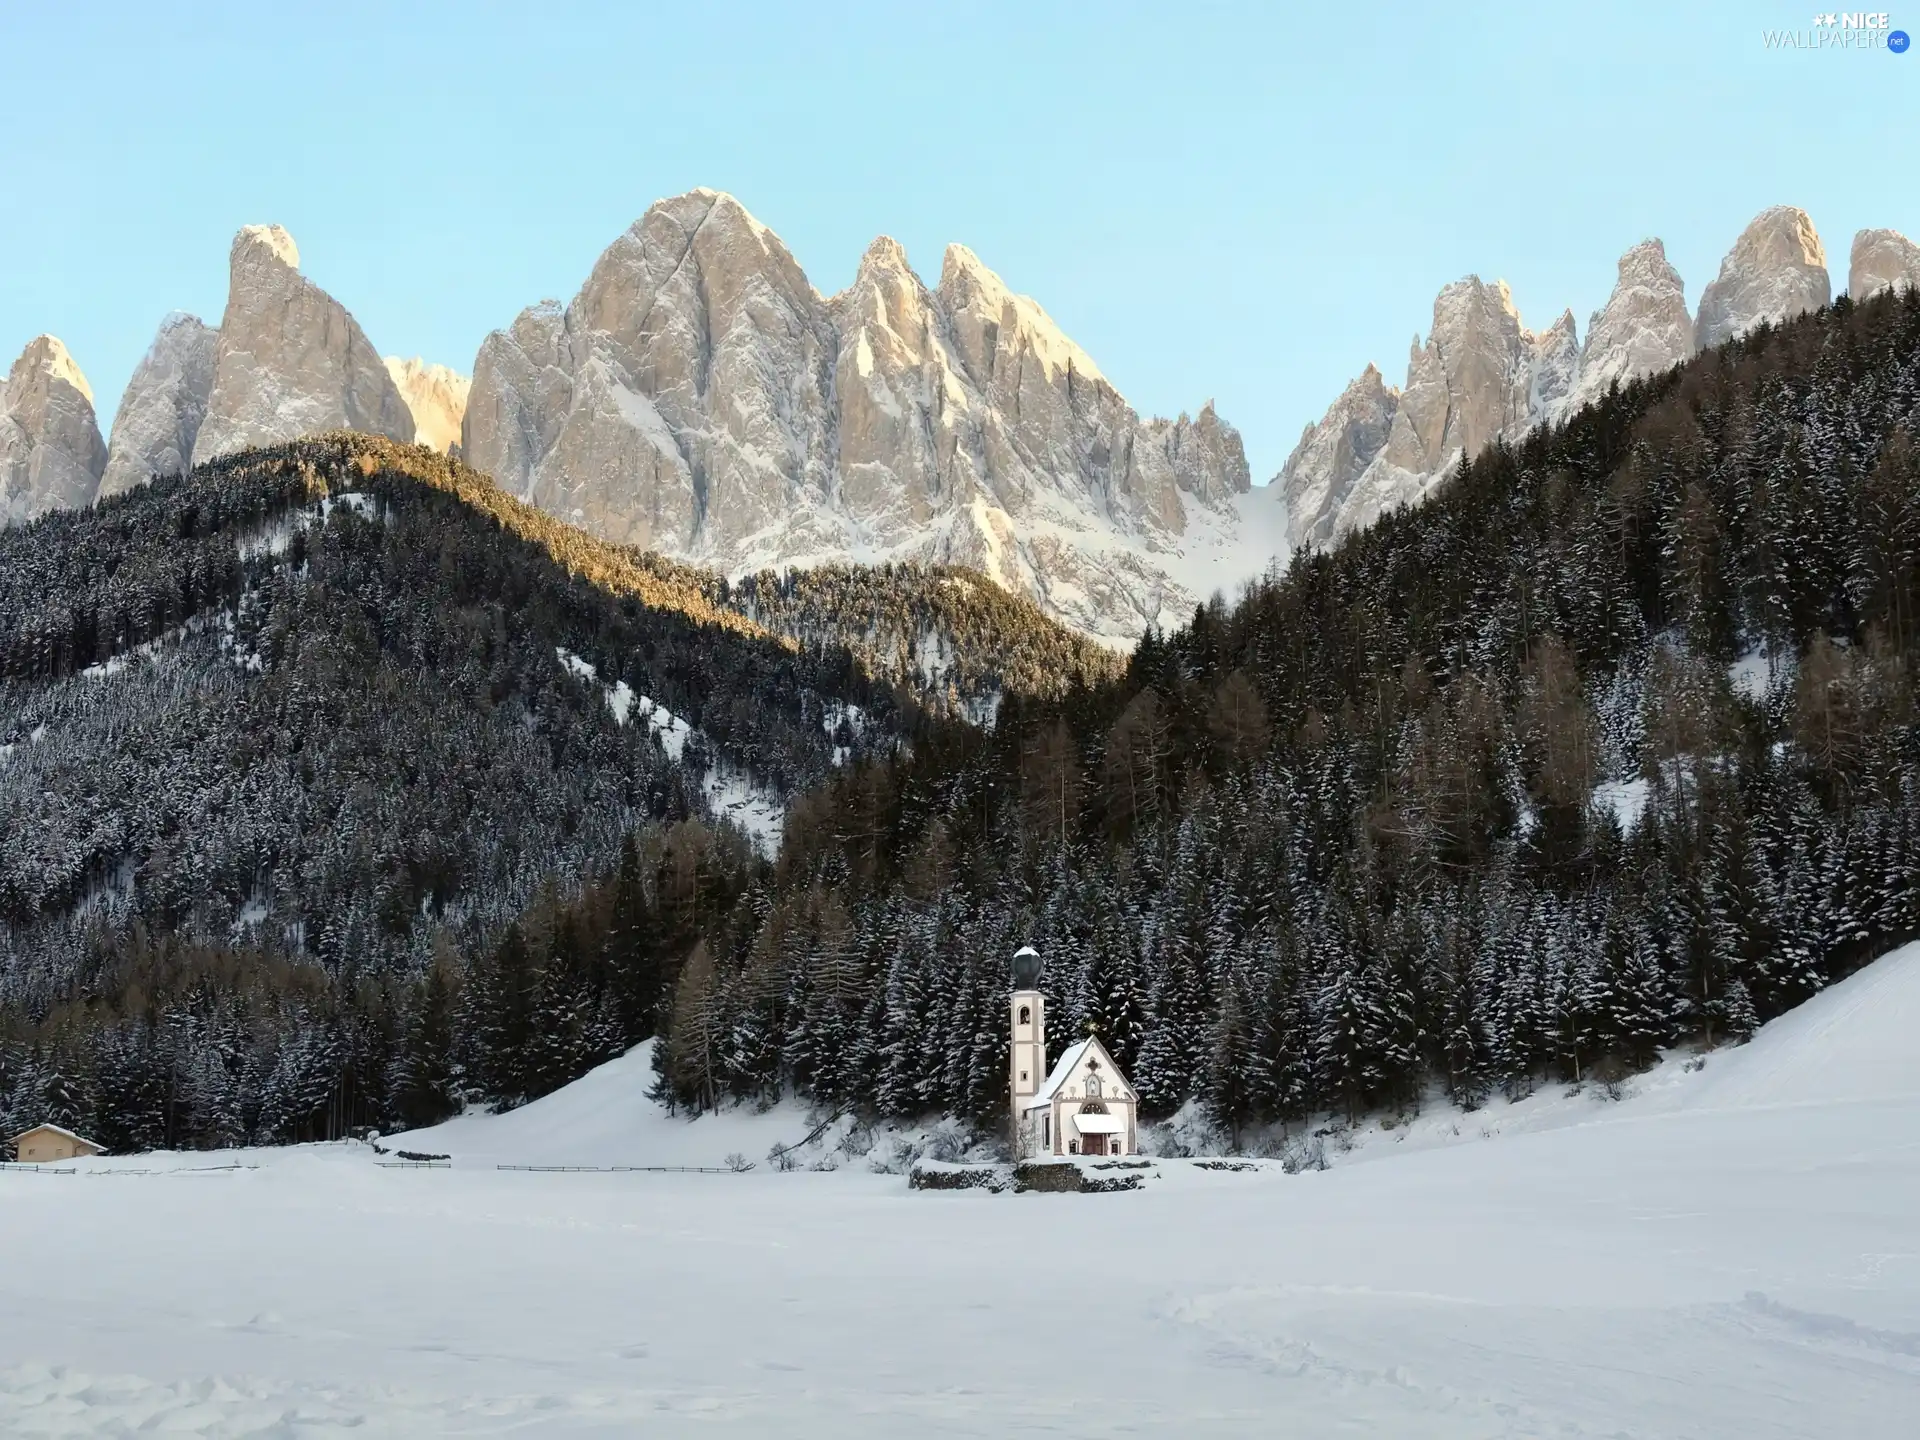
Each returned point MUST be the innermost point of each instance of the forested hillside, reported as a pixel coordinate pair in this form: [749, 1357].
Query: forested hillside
[946, 635]
[287, 744]
[1608, 746]
[305, 726]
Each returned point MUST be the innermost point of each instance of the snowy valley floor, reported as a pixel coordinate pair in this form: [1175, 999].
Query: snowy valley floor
[1733, 1251]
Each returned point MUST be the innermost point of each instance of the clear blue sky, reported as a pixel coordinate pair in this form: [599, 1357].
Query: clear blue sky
[1240, 201]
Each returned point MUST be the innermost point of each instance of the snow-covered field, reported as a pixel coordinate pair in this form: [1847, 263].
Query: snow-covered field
[1732, 1250]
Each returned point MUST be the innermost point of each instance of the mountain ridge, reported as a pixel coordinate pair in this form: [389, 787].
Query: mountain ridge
[699, 396]
[1480, 375]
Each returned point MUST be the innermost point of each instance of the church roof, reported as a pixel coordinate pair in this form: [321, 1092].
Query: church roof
[1067, 1064]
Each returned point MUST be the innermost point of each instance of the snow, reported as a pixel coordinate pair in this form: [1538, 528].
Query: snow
[1852, 1044]
[1062, 1068]
[638, 411]
[274, 536]
[56, 1129]
[1627, 799]
[605, 1118]
[748, 806]
[146, 650]
[1728, 1251]
[622, 701]
[105, 668]
[1751, 675]
[730, 793]
[358, 501]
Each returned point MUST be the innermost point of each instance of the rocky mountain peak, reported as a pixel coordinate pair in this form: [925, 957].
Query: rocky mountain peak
[163, 406]
[1776, 269]
[698, 396]
[1552, 365]
[1643, 328]
[290, 360]
[997, 331]
[883, 256]
[1334, 453]
[1882, 260]
[437, 398]
[51, 454]
[885, 292]
[1480, 375]
[265, 243]
[1209, 458]
[47, 357]
[1481, 346]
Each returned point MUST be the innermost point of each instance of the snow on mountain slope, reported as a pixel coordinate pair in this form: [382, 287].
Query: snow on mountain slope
[605, 1118]
[1846, 1045]
[1857, 1042]
[732, 792]
[1728, 1254]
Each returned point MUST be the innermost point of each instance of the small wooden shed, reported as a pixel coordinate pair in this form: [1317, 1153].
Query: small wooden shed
[49, 1142]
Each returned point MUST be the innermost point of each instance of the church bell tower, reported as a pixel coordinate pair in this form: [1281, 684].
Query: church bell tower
[1028, 1012]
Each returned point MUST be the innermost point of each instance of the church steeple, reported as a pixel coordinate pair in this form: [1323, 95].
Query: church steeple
[1027, 1012]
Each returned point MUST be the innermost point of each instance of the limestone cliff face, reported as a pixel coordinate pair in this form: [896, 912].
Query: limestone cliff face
[290, 359]
[436, 398]
[51, 454]
[1551, 367]
[1882, 260]
[699, 397]
[1334, 453]
[163, 406]
[1480, 375]
[1776, 269]
[521, 393]
[1643, 328]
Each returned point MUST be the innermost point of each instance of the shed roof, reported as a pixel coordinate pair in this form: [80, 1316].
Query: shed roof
[58, 1130]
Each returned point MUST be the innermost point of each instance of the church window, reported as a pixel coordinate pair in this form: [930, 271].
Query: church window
[1093, 1086]
[1026, 1015]
[1023, 1075]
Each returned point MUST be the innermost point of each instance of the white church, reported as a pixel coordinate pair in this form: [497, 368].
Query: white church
[1084, 1105]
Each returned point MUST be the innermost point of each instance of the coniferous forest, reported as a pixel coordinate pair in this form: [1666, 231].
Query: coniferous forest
[1609, 746]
